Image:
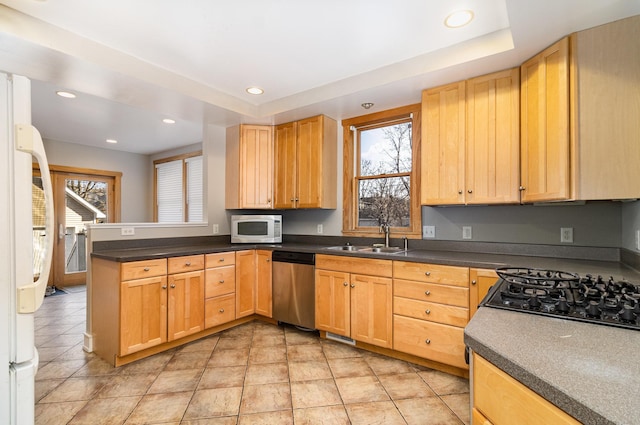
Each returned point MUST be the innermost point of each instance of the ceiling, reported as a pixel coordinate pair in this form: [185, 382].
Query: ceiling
[133, 63]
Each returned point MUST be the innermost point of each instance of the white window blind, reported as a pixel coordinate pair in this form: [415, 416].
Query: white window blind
[194, 189]
[169, 192]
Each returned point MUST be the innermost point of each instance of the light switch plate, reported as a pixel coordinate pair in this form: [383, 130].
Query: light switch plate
[429, 232]
[216, 229]
[320, 229]
[127, 231]
[466, 232]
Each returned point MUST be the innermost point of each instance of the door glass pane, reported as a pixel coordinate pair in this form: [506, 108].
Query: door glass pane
[38, 217]
[85, 202]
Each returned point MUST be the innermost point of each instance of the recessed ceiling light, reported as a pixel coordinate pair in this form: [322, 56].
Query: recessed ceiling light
[459, 18]
[367, 105]
[168, 121]
[112, 141]
[66, 94]
[254, 90]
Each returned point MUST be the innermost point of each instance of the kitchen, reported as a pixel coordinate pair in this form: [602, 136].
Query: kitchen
[603, 224]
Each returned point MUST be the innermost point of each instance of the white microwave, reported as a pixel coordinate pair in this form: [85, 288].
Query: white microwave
[256, 229]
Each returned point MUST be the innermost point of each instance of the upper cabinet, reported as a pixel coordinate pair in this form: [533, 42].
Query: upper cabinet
[470, 141]
[249, 167]
[305, 164]
[580, 128]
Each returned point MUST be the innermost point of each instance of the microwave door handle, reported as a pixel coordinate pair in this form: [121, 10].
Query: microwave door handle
[31, 295]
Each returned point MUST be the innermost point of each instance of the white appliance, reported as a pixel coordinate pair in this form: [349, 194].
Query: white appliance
[256, 228]
[20, 296]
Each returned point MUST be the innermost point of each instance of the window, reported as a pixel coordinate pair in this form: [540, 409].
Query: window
[381, 164]
[179, 189]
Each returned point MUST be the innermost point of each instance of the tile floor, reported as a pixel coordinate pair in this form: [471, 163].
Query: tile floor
[257, 373]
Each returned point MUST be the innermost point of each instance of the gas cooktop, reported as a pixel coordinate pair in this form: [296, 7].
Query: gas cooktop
[567, 295]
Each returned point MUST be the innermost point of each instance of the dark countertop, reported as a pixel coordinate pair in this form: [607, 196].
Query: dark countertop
[454, 258]
[589, 371]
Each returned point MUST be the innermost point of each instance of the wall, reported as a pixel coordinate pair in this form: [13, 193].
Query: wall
[136, 204]
[630, 225]
[213, 147]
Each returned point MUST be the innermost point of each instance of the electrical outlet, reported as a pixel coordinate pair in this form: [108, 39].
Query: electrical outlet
[566, 234]
[127, 231]
[216, 229]
[638, 240]
[466, 232]
[320, 228]
[428, 231]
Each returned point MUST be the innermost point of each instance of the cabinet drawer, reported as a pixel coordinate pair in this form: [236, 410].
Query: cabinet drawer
[187, 263]
[433, 341]
[219, 310]
[442, 294]
[219, 281]
[366, 266]
[441, 313]
[142, 269]
[503, 400]
[433, 273]
[220, 259]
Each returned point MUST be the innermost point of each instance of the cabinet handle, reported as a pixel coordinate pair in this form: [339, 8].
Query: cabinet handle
[470, 191]
[222, 310]
[353, 285]
[427, 273]
[427, 292]
[345, 284]
[473, 282]
[521, 188]
[146, 269]
[427, 311]
[427, 341]
[173, 286]
[221, 281]
[188, 263]
[164, 286]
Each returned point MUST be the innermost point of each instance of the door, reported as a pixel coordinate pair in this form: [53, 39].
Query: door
[285, 166]
[264, 294]
[79, 199]
[332, 302]
[371, 309]
[185, 311]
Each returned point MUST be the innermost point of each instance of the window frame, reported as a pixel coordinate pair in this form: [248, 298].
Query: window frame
[351, 148]
[185, 206]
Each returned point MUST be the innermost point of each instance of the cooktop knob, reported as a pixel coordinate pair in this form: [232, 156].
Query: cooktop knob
[534, 302]
[562, 306]
[592, 309]
[627, 314]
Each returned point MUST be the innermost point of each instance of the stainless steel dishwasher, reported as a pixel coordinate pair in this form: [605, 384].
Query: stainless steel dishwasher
[294, 288]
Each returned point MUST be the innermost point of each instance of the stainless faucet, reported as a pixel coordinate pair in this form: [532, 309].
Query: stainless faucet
[384, 227]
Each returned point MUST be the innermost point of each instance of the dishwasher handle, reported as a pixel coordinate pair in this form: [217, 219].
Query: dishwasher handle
[307, 258]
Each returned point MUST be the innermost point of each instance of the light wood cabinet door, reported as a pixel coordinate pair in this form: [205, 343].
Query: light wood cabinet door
[333, 307]
[286, 166]
[219, 310]
[371, 310]
[545, 142]
[443, 142]
[143, 314]
[185, 312]
[493, 138]
[504, 401]
[480, 281]
[245, 283]
[249, 167]
[264, 288]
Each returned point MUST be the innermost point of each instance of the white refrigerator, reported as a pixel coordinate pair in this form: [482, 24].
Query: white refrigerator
[20, 259]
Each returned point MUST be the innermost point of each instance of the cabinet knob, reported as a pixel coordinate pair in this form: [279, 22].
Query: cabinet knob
[345, 284]
[521, 188]
[427, 341]
[222, 310]
[146, 269]
[353, 285]
[473, 282]
[427, 273]
[221, 260]
[427, 292]
[427, 311]
[221, 280]
[291, 199]
[460, 192]
[268, 201]
[470, 191]
[188, 263]
[164, 286]
[297, 199]
[268, 260]
[173, 286]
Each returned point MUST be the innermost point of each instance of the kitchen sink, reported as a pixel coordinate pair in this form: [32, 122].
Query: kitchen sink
[368, 249]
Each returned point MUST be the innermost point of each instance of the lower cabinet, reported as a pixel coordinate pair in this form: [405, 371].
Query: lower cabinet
[220, 289]
[480, 281]
[430, 311]
[264, 291]
[245, 283]
[354, 304]
[501, 400]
